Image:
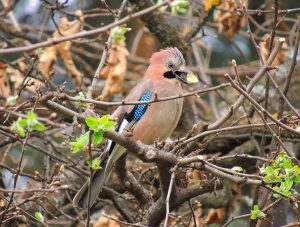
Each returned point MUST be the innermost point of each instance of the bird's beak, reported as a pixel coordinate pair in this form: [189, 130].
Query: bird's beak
[186, 76]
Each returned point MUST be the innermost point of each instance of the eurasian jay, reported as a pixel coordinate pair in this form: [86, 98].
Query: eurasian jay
[148, 123]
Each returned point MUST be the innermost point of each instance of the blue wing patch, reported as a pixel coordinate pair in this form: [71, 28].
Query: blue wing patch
[132, 118]
[140, 109]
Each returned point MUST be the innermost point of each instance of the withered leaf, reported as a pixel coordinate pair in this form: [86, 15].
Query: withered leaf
[264, 50]
[215, 216]
[49, 55]
[229, 22]
[4, 86]
[115, 70]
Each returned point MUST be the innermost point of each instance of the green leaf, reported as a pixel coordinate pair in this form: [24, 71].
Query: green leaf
[101, 124]
[183, 4]
[281, 155]
[261, 214]
[276, 163]
[31, 123]
[80, 143]
[297, 179]
[173, 11]
[276, 195]
[271, 179]
[19, 127]
[257, 213]
[284, 188]
[98, 137]
[38, 215]
[268, 179]
[31, 116]
[269, 170]
[286, 185]
[276, 171]
[95, 164]
[296, 168]
[11, 100]
[118, 33]
[39, 127]
[281, 158]
[107, 123]
[287, 164]
[31, 120]
[179, 6]
[182, 10]
[22, 122]
[92, 123]
[276, 179]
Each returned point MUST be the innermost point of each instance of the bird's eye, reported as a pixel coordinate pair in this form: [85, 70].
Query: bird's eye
[170, 65]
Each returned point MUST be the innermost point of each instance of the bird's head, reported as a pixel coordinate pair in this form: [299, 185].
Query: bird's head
[170, 64]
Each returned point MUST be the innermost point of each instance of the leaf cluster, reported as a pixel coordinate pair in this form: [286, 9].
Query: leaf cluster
[177, 6]
[118, 34]
[256, 213]
[30, 124]
[97, 126]
[283, 173]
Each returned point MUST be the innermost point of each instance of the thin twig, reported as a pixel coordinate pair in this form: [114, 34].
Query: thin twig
[262, 112]
[43, 190]
[193, 214]
[290, 73]
[90, 180]
[105, 52]
[267, 86]
[83, 33]
[169, 195]
[250, 86]
[103, 103]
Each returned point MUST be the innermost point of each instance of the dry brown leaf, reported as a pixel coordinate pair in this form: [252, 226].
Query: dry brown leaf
[69, 28]
[4, 86]
[49, 55]
[264, 50]
[229, 22]
[106, 222]
[215, 216]
[2, 203]
[194, 176]
[115, 70]
[47, 60]
[16, 77]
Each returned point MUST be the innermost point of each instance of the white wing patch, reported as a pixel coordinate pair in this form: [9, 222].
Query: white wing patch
[123, 125]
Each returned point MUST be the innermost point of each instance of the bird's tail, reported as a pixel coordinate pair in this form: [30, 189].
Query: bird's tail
[98, 180]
